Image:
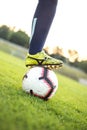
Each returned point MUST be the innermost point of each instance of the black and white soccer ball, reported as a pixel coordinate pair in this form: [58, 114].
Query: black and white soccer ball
[40, 82]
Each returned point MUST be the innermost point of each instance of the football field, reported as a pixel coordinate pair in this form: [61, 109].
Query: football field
[67, 110]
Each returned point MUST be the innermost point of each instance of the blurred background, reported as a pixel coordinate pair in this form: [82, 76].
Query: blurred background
[67, 37]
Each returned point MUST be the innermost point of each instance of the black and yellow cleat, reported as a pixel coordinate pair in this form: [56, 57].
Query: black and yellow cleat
[42, 59]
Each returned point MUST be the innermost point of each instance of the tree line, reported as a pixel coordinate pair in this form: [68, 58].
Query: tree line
[21, 38]
[18, 37]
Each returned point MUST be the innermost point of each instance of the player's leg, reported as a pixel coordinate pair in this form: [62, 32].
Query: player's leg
[42, 21]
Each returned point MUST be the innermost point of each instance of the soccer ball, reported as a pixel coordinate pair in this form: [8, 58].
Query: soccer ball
[40, 82]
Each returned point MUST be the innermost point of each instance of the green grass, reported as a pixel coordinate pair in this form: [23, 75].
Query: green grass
[67, 110]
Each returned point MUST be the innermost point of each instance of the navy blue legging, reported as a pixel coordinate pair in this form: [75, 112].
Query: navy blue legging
[41, 24]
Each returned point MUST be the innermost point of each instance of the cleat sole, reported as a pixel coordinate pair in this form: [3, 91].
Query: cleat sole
[51, 67]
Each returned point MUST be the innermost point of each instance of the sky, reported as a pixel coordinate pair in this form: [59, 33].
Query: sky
[68, 30]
